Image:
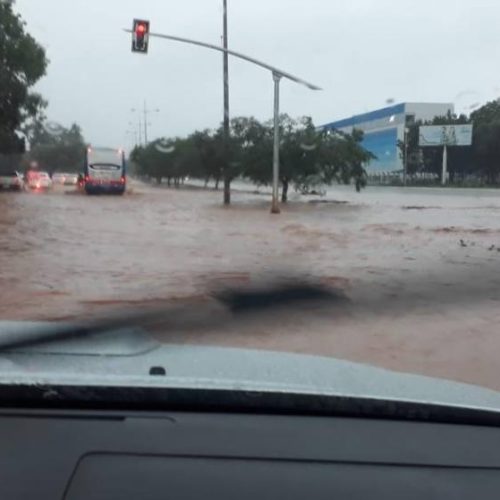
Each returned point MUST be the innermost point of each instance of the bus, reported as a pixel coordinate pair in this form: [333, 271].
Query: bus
[104, 171]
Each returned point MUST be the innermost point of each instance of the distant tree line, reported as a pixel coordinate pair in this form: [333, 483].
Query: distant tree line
[308, 157]
[481, 161]
[63, 151]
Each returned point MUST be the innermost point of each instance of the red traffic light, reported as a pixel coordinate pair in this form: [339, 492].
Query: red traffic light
[140, 36]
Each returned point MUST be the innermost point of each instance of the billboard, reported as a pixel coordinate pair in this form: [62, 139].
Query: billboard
[445, 135]
[384, 145]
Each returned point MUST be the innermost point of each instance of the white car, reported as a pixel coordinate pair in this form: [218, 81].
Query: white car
[71, 179]
[12, 181]
[64, 179]
[39, 180]
[58, 178]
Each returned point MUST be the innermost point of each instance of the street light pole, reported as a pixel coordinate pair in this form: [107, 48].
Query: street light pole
[275, 209]
[225, 59]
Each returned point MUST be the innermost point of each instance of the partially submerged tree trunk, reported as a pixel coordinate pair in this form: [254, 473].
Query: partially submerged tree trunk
[284, 191]
[227, 190]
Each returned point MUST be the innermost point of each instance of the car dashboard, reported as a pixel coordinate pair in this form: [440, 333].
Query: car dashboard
[119, 454]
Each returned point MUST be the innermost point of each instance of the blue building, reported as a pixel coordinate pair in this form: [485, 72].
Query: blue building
[383, 128]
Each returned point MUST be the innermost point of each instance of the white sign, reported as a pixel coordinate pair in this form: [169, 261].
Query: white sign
[445, 135]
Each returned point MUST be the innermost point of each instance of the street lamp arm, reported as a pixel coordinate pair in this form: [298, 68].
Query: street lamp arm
[274, 70]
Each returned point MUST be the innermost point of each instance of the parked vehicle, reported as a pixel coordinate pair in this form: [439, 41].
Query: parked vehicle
[71, 179]
[64, 179]
[12, 181]
[58, 178]
[36, 180]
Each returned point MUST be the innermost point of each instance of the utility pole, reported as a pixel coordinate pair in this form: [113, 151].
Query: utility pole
[145, 112]
[145, 123]
[225, 59]
[405, 171]
[275, 208]
[139, 128]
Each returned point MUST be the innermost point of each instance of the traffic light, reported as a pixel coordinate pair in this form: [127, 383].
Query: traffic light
[140, 36]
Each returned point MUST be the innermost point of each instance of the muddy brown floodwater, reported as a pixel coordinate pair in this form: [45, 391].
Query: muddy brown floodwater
[420, 268]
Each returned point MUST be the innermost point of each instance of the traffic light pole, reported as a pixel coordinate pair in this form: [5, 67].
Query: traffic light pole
[277, 75]
[227, 178]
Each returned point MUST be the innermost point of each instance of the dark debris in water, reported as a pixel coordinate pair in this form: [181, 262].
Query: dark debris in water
[330, 202]
[278, 296]
[419, 207]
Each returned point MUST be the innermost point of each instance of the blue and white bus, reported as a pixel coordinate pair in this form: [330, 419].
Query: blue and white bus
[104, 171]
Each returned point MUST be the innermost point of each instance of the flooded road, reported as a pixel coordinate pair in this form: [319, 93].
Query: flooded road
[420, 268]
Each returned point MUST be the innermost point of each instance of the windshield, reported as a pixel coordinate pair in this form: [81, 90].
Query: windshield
[356, 151]
[104, 157]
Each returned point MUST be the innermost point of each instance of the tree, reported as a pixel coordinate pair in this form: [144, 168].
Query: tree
[210, 148]
[23, 63]
[307, 157]
[256, 151]
[486, 140]
[171, 159]
[137, 158]
[187, 160]
[342, 158]
[254, 141]
[298, 161]
[62, 152]
[410, 150]
[153, 161]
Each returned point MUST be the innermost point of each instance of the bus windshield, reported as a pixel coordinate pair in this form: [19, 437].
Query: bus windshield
[104, 156]
[105, 163]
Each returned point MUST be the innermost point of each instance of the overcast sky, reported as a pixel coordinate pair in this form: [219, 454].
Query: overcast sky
[361, 52]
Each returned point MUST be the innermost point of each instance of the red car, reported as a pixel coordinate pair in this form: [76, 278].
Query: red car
[38, 180]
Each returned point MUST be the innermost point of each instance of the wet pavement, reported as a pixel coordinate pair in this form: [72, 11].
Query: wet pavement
[420, 268]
